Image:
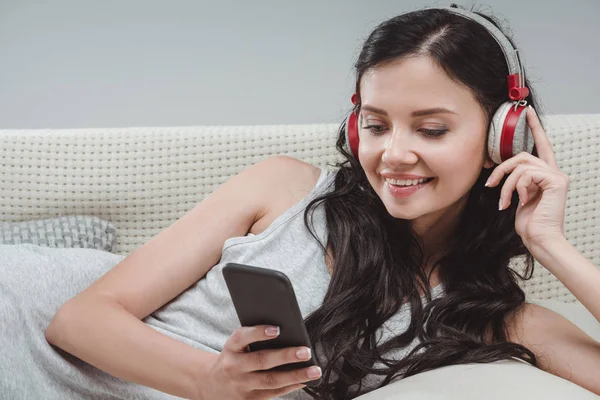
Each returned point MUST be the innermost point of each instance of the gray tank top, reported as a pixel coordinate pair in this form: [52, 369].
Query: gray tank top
[204, 316]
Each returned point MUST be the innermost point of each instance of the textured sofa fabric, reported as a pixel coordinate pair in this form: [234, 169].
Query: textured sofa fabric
[61, 232]
[142, 180]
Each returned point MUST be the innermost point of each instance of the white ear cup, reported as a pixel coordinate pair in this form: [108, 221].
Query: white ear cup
[347, 129]
[522, 139]
[495, 132]
[347, 133]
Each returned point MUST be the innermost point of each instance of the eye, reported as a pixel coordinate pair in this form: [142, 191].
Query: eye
[434, 132]
[375, 129]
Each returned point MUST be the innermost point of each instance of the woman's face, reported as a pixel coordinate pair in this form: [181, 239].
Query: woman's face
[428, 126]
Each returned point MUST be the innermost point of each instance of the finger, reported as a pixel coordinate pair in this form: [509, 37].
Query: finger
[509, 186]
[263, 380]
[542, 143]
[275, 393]
[524, 186]
[543, 180]
[261, 360]
[242, 337]
[509, 165]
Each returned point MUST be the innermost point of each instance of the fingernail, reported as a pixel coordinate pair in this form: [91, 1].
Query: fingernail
[313, 372]
[500, 205]
[487, 183]
[303, 353]
[272, 331]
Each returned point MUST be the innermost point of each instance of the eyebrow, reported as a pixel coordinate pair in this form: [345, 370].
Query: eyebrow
[419, 113]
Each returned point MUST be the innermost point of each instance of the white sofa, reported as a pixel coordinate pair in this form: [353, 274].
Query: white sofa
[143, 179]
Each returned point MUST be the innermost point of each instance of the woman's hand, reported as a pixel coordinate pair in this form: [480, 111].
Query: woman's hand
[239, 374]
[541, 186]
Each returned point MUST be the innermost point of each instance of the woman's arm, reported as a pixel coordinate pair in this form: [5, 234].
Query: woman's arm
[101, 332]
[561, 347]
[104, 326]
[576, 272]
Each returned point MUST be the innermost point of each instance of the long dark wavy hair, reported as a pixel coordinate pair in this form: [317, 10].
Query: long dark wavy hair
[378, 261]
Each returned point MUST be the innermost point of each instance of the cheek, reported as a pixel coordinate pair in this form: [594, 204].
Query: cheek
[368, 154]
[459, 165]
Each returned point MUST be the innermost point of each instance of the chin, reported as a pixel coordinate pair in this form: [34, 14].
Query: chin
[403, 211]
[409, 208]
[398, 214]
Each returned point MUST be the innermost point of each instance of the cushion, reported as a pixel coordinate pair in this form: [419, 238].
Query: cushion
[61, 232]
[500, 380]
[39, 279]
[34, 282]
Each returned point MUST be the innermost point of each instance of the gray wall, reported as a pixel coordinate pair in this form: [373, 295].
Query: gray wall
[77, 64]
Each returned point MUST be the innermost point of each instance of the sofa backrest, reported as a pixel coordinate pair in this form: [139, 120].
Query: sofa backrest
[144, 179]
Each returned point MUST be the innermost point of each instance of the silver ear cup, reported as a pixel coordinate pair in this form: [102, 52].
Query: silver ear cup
[346, 130]
[347, 145]
[495, 132]
[522, 138]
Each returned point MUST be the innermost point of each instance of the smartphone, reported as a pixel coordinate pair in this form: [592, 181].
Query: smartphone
[265, 296]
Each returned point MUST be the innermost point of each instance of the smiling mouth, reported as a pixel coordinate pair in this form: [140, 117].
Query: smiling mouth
[411, 185]
[402, 191]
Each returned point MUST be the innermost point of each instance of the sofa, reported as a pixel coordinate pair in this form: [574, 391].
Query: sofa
[142, 179]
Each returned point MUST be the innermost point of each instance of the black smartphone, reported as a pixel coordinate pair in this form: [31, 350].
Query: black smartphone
[266, 296]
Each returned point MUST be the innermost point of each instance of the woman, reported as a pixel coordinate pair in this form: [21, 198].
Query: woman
[391, 281]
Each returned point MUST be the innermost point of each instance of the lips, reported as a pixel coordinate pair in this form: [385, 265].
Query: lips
[404, 177]
[402, 192]
[420, 183]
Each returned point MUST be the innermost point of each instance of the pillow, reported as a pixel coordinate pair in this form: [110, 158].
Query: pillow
[34, 282]
[62, 232]
[40, 279]
[506, 379]
[500, 380]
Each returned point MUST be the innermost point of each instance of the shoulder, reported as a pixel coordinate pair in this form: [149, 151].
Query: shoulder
[294, 174]
[290, 181]
[560, 346]
[285, 174]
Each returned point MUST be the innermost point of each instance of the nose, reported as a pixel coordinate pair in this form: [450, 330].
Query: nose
[399, 149]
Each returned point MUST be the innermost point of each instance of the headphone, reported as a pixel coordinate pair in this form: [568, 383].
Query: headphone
[509, 133]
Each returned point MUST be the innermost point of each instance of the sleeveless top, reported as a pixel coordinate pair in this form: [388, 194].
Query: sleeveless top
[204, 316]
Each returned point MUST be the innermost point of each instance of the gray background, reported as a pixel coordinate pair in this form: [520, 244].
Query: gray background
[79, 64]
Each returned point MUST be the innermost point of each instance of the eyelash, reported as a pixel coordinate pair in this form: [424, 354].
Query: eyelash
[434, 133]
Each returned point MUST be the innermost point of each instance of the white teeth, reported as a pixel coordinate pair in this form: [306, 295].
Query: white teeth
[405, 182]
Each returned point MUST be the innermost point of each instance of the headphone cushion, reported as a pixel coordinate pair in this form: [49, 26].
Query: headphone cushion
[495, 132]
[522, 139]
[347, 133]
[351, 132]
